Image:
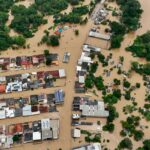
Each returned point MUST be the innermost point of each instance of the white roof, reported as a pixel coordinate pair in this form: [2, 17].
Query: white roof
[89, 48]
[62, 73]
[25, 75]
[2, 79]
[9, 141]
[1, 60]
[10, 113]
[2, 114]
[79, 68]
[76, 133]
[99, 35]
[94, 146]
[27, 110]
[81, 79]
[36, 136]
[45, 123]
[2, 104]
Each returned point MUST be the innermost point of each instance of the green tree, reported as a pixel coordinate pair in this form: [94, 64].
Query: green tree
[125, 144]
[19, 40]
[126, 84]
[110, 99]
[138, 135]
[109, 127]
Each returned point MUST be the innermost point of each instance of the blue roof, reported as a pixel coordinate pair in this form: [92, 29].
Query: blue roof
[59, 96]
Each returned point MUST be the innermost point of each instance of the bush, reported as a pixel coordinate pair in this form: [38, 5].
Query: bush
[127, 95]
[125, 144]
[116, 82]
[110, 99]
[138, 85]
[117, 93]
[93, 67]
[76, 32]
[138, 135]
[89, 81]
[99, 83]
[113, 114]
[126, 84]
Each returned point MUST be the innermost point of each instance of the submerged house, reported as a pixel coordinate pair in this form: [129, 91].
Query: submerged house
[39, 130]
[90, 108]
[93, 146]
[90, 48]
[96, 34]
[59, 96]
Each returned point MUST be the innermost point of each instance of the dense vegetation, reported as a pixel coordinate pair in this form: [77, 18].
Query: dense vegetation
[5, 40]
[73, 17]
[118, 31]
[50, 40]
[131, 13]
[125, 144]
[51, 7]
[146, 145]
[129, 128]
[141, 46]
[143, 69]
[26, 20]
[5, 5]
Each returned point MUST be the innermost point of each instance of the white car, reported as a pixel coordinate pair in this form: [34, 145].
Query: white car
[75, 116]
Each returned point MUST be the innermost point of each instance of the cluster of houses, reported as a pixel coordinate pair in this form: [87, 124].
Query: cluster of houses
[26, 62]
[89, 108]
[33, 105]
[30, 81]
[94, 146]
[36, 131]
[99, 15]
[83, 65]
[84, 107]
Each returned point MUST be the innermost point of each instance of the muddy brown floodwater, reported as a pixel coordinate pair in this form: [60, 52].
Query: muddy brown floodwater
[73, 44]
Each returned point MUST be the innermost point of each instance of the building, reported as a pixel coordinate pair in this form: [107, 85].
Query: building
[66, 57]
[90, 48]
[90, 108]
[94, 109]
[46, 129]
[15, 134]
[59, 96]
[79, 87]
[96, 34]
[94, 146]
[30, 81]
[76, 133]
[85, 58]
[54, 125]
[32, 105]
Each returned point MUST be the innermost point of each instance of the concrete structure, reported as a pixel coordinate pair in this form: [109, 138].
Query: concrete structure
[95, 109]
[90, 108]
[90, 48]
[76, 133]
[99, 35]
[29, 132]
[94, 146]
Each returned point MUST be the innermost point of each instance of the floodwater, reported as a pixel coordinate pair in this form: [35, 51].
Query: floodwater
[73, 44]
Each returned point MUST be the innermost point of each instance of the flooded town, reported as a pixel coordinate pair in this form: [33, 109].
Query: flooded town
[74, 75]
